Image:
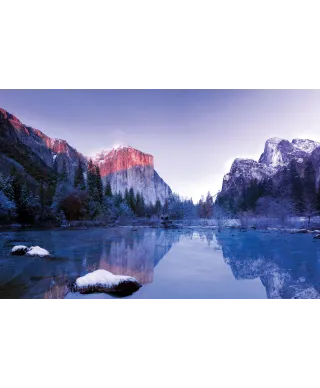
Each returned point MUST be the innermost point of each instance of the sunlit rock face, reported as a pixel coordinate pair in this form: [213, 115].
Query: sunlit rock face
[277, 155]
[53, 152]
[125, 167]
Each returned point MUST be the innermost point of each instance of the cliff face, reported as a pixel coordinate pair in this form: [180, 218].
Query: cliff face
[126, 167]
[277, 155]
[38, 155]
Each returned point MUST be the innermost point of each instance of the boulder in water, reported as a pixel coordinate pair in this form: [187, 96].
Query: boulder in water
[19, 250]
[104, 281]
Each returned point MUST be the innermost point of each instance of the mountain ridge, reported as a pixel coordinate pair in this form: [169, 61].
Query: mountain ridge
[286, 172]
[57, 154]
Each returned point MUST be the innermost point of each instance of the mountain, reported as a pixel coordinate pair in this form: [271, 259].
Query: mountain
[125, 167]
[33, 152]
[279, 157]
[41, 158]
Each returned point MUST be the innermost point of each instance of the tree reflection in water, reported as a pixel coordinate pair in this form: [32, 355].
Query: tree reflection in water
[287, 264]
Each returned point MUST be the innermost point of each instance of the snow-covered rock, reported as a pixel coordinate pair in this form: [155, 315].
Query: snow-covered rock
[104, 281]
[37, 251]
[19, 250]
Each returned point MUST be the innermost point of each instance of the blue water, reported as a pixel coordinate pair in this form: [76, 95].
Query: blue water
[169, 263]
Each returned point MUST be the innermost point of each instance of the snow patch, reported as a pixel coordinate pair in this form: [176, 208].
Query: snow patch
[19, 250]
[37, 251]
[305, 145]
[102, 277]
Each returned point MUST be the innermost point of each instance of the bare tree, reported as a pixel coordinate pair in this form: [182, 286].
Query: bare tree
[284, 209]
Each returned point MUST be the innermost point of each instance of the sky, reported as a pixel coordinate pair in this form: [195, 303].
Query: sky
[194, 135]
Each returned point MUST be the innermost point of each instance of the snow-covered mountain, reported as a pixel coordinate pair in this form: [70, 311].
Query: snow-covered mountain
[125, 167]
[278, 153]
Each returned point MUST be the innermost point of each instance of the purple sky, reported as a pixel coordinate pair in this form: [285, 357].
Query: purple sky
[194, 135]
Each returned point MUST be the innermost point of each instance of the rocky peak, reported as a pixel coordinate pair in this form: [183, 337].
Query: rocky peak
[275, 152]
[125, 167]
[278, 153]
[121, 158]
[305, 145]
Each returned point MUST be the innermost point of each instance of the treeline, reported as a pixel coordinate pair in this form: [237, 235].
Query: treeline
[293, 191]
[86, 199]
[57, 201]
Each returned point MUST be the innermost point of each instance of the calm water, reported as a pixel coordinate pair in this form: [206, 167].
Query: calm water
[170, 264]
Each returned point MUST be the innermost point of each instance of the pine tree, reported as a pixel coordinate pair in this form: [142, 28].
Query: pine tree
[6, 186]
[296, 188]
[310, 194]
[43, 201]
[126, 196]
[118, 199]
[108, 190]
[79, 182]
[201, 210]
[99, 185]
[140, 205]
[132, 200]
[318, 199]
[91, 181]
[208, 206]
[64, 173]
[157, 207]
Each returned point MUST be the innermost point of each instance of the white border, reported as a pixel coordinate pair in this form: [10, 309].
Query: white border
[159, 44]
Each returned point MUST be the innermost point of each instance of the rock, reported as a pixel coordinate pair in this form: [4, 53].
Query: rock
[125, 167]
[104, 281]
[278, 153]
[19, 250]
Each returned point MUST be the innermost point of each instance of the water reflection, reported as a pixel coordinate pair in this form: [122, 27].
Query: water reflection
[198, 263]
[287, 264]
[75, 253]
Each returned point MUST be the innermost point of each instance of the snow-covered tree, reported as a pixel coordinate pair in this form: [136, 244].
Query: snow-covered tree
[7, 207]
[79, 182]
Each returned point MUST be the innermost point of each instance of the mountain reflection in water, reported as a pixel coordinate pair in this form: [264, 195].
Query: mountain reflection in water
[287, 264]
[169, 263]
[75, 253]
